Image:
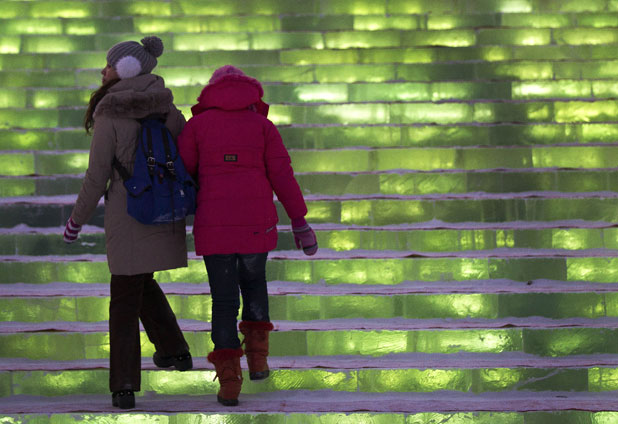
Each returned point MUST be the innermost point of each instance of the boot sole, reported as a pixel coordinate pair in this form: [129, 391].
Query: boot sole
[256, 376]
[184, 365]
[124, 402]
[227, 402]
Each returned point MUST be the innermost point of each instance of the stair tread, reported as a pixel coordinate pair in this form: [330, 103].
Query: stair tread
[466, 360]
[434, 224]
[347, 324]
[68, 199]
[283, 288]
[329, 254]
[324, 401]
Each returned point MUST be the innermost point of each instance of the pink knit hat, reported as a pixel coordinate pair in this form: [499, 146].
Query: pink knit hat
[223, 71]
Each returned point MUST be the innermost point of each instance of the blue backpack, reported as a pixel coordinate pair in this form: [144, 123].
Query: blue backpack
[160, 190]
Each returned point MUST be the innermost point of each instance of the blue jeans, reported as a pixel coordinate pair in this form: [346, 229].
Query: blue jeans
[231, 276]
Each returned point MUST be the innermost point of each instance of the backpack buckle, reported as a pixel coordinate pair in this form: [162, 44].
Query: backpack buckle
[151, 163]
[170, 167]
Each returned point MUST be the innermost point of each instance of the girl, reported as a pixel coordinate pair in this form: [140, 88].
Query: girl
[240, 159]
[134, 251]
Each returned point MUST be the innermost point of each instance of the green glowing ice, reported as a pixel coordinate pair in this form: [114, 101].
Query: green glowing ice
[32, 26]
[281, 41]
[404, 55]
[451, 306]
[315, 93]
[524, 70]
[303, 308]
[604, 270]
[56, 44]
[156, 25]
[417, 159]
[497, 379]
[325, 57]
[576, 341]
[12, 98]
[524, 37]
[603, 89]
[551, 89]
[68, 163]
[145, 8]
[597, 20]
[326, 161]
[362, 39]
[17, 163]
[89, 26]
[190, 7]
[445, 38]
[466, 418]
[205, 42]
[347, 114]
[44, 99]
[536, 20]
[354, 7]
[585, 111]
[585, 36]
[12, 187]
[10, 44]
[449, 341]
[62, 9]
[352, 342]
[413, 380]
[445, 22]
[355, 73]
[602, 379]
[376, 23]
[446, 113]
[58, 383]
[40, 309]
[11, 118]
[533, 379]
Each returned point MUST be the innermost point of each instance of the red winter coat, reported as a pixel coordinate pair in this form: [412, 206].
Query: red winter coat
[240, 159]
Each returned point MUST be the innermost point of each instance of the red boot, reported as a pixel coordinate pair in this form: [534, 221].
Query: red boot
[227, 366]
[256, 347]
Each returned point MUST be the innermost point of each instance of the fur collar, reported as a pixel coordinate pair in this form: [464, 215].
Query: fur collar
[136, 98]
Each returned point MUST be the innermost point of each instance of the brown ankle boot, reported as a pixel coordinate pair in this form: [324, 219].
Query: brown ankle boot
[227, 366]
[256, 347]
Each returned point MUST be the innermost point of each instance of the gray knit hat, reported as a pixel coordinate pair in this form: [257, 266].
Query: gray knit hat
[130, 58]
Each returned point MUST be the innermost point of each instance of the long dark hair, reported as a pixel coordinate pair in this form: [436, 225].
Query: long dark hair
[95, 98]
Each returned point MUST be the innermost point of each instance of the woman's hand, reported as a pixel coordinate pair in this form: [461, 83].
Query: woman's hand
[71, 231]
[305, 239]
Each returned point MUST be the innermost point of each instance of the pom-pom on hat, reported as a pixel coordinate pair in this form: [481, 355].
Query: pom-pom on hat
[223, 71]
[131, 58]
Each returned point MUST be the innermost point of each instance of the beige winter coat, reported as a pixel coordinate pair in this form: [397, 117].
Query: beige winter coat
[132, 248]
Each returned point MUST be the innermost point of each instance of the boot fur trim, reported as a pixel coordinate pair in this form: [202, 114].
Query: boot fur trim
[224, 354]
[255, 325]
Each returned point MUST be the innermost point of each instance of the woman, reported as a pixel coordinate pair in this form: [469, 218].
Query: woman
[134, 251]
[240, 160]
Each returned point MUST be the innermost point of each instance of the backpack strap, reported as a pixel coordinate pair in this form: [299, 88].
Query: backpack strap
[150, 159]
[169, 160]
[124, 174]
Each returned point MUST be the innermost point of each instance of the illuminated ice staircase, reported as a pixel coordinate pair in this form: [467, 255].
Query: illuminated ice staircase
[460, 163]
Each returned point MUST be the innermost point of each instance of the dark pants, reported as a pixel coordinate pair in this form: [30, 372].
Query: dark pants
[227, 275]
[135, 298]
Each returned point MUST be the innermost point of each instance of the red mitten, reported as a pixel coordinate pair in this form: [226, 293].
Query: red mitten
[71, 231]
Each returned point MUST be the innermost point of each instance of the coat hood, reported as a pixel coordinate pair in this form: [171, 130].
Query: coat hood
[231, 92]
[136, 98]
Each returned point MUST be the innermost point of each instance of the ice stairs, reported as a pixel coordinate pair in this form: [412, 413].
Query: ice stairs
[459, 163]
